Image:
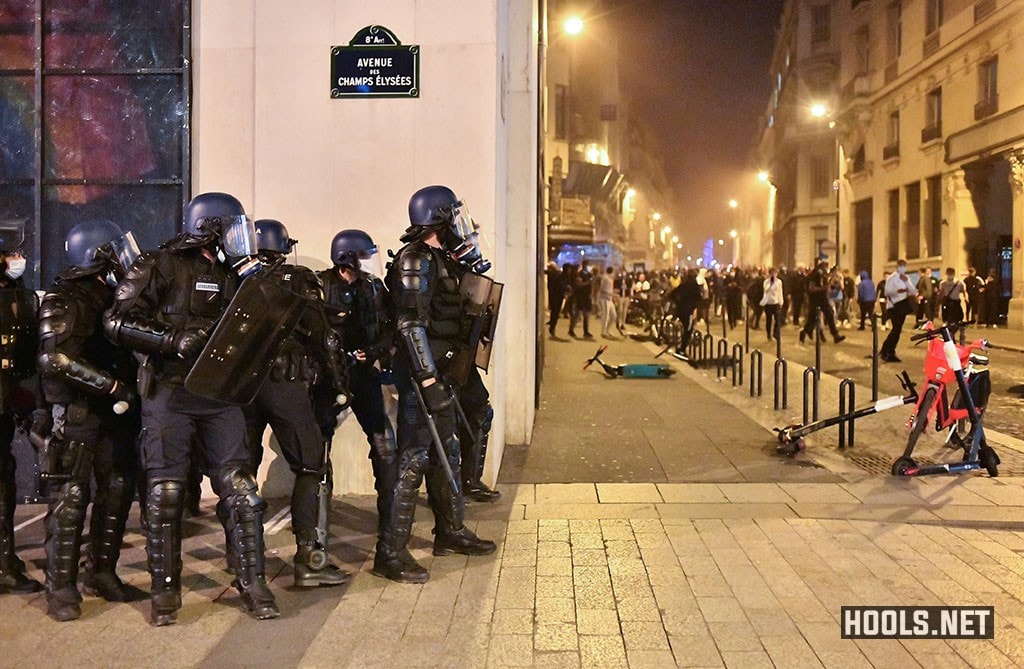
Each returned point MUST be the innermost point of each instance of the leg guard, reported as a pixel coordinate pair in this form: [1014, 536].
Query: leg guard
[164, 507]
[224, 516]
[392, 559]
[12, 577]
[106, 531]
[238, 488]
[64, 524]
[473, 456]
[448, 506]
[384, 459]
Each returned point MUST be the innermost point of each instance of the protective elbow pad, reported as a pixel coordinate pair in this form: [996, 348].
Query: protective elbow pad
[140, 334]
[421, 360]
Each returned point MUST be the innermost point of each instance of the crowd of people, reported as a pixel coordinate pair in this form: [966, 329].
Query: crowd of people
[130, 404]
[777, 295]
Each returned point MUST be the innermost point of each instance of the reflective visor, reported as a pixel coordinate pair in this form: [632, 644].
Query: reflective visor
[12, 235]
[462, 222]
[126, 249]
[238, 236]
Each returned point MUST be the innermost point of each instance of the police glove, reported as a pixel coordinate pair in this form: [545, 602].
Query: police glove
[188, 344]
[436, 397]
[41, 427]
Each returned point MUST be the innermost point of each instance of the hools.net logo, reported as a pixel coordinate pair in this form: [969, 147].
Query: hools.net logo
[917, 622]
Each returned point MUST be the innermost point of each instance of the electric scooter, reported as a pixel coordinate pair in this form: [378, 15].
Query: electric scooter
[633, 371]
[791, 437]
[945, 363]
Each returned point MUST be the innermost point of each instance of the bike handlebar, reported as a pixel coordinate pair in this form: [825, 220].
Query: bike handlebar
[937, 332]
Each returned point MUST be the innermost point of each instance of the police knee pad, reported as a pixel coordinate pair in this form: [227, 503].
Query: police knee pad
[415, 461]
[74, 497]
[165, 499]
[238, 481]
[486, 417]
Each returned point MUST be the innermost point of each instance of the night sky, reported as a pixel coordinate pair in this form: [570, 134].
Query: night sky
[697, 71]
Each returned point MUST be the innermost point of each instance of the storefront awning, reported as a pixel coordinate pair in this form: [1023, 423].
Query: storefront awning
[600, 182]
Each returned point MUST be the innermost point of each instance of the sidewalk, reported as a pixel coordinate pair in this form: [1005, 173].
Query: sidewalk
[692, 544]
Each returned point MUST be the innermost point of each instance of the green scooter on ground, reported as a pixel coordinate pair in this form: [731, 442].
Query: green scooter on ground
[631, 371]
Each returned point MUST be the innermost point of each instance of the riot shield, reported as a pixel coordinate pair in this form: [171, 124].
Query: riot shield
[237, 358]
[482, 299]
[19, 332]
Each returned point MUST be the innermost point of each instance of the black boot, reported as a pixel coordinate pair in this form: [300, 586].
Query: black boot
[230, 556]
[12, 570]
[246, 508]
[450, 534]
[392, 560]
[384, 460]
[64, 522]
[164, 508]
[313, 567]
[106, 532]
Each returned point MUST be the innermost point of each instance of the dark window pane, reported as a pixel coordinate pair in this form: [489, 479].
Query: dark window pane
[150, 212]
[17, 35]
[111, 127]
[104, 34]
[17, 124]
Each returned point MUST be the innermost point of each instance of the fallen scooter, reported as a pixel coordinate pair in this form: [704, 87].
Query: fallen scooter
[791, 437]
[631, 371]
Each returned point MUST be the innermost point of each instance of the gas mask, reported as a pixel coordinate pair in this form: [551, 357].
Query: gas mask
[237, 248]
[15, 267]
[119, 253]
[462, 240]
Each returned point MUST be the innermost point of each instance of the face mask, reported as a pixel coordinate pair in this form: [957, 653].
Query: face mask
[902, 269]
[15, 267]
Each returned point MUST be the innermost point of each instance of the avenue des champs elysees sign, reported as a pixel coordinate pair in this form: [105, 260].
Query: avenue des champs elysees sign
[375, 65]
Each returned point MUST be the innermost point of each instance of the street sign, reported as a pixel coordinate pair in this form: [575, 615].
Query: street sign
[375, 65]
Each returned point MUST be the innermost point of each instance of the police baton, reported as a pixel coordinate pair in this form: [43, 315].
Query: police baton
[465, 425]
[442, 455]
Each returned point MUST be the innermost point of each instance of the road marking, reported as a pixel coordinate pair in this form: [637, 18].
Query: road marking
[278, 521]
[30, 521]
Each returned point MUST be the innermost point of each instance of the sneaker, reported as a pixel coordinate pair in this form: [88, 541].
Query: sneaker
[839, 339]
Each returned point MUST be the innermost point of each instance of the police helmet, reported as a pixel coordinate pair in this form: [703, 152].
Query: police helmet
[432, 206]
[351, 246]
[99, 245]
[218, 215]
[271, 235]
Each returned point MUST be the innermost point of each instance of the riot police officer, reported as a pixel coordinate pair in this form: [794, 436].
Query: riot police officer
[423, 281]
[88, 383]
[284, 403]
[18, 307]
[367, 335]
[165, 309]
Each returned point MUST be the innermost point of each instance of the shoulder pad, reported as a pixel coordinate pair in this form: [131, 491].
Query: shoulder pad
[56, 318]
[137, 276]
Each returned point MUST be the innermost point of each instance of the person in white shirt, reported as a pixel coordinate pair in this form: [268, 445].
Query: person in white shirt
[772, 302]
[900, 297]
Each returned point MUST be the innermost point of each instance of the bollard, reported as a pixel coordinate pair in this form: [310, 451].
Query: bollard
[810, 379]
[847, 393]
[708, 348]
[695, 348]
[782, 374]
[819, 333]
[778, 339]
[756, 370]
[874, 356]
[725, 335]
[746, 326]
[723, 353]
[737, 363]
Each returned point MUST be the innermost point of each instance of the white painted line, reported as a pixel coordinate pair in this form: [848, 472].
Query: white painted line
[279, 520]
[30, 521]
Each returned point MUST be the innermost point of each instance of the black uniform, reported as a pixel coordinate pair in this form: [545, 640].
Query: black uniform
[424, 289]
[18, 349]
[167, 303]
[817, 284]
[83, 375]
[366, 326]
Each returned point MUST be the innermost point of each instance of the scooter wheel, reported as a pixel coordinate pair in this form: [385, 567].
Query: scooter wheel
[791, 448]
[784, 434]
[318, 559]
[902, 466]
[989, 460]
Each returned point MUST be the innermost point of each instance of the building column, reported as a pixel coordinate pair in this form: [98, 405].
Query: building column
[1015, 312]
[959, 215]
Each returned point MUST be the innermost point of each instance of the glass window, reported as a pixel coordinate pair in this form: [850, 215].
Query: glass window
[561, 111]
[933, 109]
[893, 221]
[821, 24]
[988, 80]
[933, 15]
[99, 128]
[895, 26]
[821, 176]
[862, 49]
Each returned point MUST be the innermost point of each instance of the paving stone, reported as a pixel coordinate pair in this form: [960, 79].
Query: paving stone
[556, 659]
[754, 492]
[725, 510]
[571, 493]
[560, 566]
[513, 621]
[555, 586]
[587, 540]
[555, 636]
[602, 652]
[555, 610]
[695, 651]
[738, 635]
[514, 650]
[829, 493]
[790, 651]
[590, 511]
[644, 635]
[617, 493]
[721, 609]
[653, 659]
[588, 557]
[680, 493]
[597, 621]
[549, 549]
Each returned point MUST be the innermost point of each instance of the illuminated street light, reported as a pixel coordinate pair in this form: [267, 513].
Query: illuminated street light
[733, 204]
[679, 245]
[721, 242]
[675, 239]
[732, 233]
[573, 25]
[656, 216]
[762, 176]
[631, 192]
[818, 110]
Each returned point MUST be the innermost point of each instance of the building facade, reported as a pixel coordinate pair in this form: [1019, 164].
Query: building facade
[924, 110]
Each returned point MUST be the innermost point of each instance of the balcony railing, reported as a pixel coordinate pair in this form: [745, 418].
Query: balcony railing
[986, 108]
[891, 151]
[931, 132]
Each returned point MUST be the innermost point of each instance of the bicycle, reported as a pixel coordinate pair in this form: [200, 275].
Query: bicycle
[944, 364]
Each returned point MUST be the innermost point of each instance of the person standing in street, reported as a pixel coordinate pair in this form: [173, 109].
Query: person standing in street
[817, 283]
[925, 296]
[867, 295]
[772, 301]
[606, 295]
[950, 293]
[973, 284]
[686, 297]
[582, 299]
[900, 296]
[556, 294]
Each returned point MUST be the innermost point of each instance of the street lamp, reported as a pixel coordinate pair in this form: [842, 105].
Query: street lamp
[820, 110]
[573, 25]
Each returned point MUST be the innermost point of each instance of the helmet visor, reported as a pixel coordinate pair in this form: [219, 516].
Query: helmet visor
[12, 235]
[462, 221]
[125, 249]
[238, 236]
